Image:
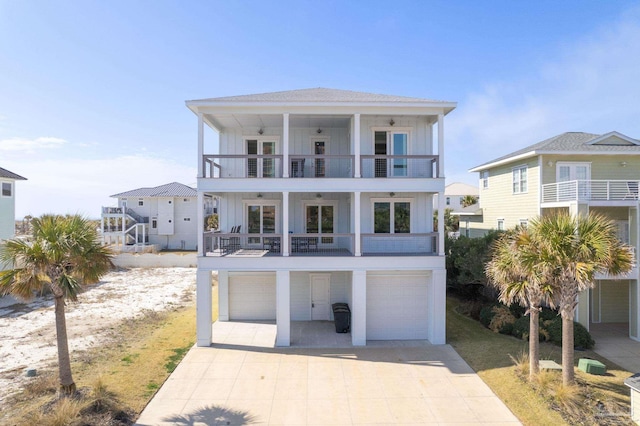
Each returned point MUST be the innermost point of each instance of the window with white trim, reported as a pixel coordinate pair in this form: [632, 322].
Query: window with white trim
[519, 179]
[7, 189]
[392, 217]
[524, 223]
[500, 224]
[140, 202]
[484, 178]
[448, 201]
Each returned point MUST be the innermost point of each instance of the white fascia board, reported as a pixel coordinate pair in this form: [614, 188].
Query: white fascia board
[321, 263]
[503, 161]
[616, 134]
[325, 108]
[591, 153]
[418, 185]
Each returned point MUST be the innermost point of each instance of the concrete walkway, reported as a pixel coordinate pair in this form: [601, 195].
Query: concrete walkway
[613, 343]
[241, 384]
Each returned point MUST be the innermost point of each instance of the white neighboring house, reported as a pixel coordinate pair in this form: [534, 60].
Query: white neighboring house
[8, 204]
[454, 194]
[164, 216]
[326, 196]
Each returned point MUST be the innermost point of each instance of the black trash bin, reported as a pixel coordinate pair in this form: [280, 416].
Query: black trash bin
[341, 317]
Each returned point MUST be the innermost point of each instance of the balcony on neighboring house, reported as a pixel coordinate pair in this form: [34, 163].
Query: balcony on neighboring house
[593, 192]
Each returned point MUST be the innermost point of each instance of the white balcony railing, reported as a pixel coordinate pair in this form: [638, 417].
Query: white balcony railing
[590, 190]
[319, 166]
[400, 244]
[399, 166]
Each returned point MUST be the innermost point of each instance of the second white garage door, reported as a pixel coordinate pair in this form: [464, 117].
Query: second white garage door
[252, 297]
[397, 307]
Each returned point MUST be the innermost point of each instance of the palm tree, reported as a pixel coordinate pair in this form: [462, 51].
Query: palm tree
[512, 270]
[62, 254]
[469, 200]
[572, 250]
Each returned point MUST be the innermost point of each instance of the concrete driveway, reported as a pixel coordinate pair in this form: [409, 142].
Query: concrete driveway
[236, 385]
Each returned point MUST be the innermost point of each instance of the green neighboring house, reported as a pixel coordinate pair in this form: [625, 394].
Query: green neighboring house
[579, 173]
[8, 203]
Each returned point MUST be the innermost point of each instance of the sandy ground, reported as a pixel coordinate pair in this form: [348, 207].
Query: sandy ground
[27, 330]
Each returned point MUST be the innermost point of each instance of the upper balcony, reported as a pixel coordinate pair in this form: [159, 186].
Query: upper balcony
[320, 166]
[592, 192]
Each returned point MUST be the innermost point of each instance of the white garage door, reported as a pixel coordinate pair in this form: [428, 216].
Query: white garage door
[252, 297]
[397, 307]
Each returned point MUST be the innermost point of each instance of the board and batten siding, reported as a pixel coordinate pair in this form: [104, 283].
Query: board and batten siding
[499, 202]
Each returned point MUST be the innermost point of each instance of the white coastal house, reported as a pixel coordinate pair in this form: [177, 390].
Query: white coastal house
[8, 203]
[455, 194]
[326, 196]
[163, 217]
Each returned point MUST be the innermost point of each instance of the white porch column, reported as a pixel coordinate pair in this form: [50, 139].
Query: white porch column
[285, 223]
[441, 209]
[285, 145]
[200, 227]
[102, 227]
[203, 307]
[356, 145]
[356, 223]
[359, 308]
[200, 145]
[283, 309]
[436, 307]
[223, 295]
[440, 145]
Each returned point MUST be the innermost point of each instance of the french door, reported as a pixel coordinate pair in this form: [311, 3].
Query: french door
[320, 219]
[261, 167]
[391, 143]
[261, 219]
[569, 172]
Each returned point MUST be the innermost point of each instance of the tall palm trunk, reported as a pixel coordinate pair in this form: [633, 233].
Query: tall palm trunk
[67, 385]
[534, 344]
[568, 375]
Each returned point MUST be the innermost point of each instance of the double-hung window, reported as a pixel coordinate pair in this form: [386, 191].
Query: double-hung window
[392, 217]
[7, 189]
[519, 179]
[484, 179]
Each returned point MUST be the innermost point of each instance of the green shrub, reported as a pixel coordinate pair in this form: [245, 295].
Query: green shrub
[581, 337]
[487, 314]
[521, 328]
[548, 314]
[517, 310]
[502, 321]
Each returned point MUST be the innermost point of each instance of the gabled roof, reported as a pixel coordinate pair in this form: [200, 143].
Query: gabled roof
[4, 173]
[173, 189]
[459, 188]
[571, 143]
[319, 94]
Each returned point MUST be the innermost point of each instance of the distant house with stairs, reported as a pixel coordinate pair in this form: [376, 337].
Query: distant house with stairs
[162, 218]
[8, 204]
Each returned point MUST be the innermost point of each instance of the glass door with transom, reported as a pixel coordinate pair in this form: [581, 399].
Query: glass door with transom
[577, 176]
[391, 143]
[320, 219]
[320, 165]
[261, 167]
[261, 219]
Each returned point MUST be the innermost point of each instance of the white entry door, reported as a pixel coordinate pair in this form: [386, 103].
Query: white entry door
[320, 303]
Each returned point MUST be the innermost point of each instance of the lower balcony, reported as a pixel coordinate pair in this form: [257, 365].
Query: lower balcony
[218, 244]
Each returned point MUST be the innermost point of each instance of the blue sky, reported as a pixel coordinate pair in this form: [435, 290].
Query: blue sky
[92, 93]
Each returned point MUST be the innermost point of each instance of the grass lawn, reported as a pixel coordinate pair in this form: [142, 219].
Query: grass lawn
[488, 353]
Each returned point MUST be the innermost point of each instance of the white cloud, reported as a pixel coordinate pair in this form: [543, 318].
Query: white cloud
[591, 86]
[30, 146]
[76, 185]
